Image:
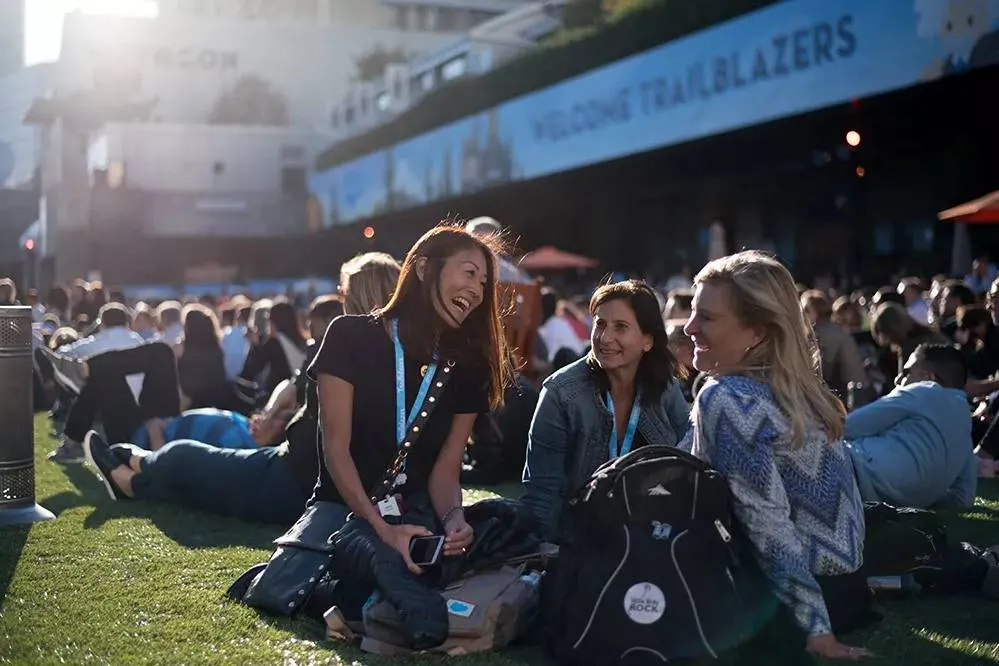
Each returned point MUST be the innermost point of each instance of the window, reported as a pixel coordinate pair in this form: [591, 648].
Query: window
[401, 14]
[383, 101]
[447, 20]
[453, 69]
[335, 117]
[427, 81]
[348, 115]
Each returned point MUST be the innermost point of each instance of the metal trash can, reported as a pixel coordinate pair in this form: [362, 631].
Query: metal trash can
[17, 419]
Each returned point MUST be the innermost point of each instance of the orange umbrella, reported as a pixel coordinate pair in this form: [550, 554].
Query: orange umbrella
[550, 258]
[984, 210]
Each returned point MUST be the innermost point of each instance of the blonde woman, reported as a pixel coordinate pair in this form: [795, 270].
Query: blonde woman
[365, 280]
[766, 421]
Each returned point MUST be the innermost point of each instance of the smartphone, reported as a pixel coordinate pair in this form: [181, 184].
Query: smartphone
[426, 551]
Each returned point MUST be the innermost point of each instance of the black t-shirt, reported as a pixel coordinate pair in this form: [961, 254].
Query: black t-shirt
[358, 349]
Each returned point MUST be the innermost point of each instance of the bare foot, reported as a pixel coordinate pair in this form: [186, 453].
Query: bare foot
[122, 477]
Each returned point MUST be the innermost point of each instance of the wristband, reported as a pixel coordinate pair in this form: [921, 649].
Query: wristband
[450, 512]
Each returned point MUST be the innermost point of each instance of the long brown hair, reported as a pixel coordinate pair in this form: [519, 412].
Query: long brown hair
[479, 342]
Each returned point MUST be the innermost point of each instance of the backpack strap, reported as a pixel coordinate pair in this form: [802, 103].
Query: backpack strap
[383, 487]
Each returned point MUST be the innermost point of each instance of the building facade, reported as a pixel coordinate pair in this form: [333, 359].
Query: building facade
[20, 144]
[11, 36]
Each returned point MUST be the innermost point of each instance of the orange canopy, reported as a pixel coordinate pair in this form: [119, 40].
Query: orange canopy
[984, 210]
[550, 258]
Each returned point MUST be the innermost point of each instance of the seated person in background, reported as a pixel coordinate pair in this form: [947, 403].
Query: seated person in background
[200, 361]
[769, 424]
[168, 315]
[268, 484]
[275, 359]
[621, 396]
[215, 427]
[913, 446]
[113, 333]
[841, 363]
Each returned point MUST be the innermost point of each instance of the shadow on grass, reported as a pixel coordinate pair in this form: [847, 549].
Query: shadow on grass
[12, 540]
[188, 528]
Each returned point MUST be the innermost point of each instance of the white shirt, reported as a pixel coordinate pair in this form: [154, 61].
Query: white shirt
[558, 334]
[919, 311]
[173, 334]
[115, 338]
[235, 347]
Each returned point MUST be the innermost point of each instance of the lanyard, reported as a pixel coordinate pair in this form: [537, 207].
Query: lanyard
[401, 422]
[629, 434]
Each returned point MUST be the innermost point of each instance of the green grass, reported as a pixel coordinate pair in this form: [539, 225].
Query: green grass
[143, 583]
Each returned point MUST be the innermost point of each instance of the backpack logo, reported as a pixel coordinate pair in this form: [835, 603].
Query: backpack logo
[659, 491]
[460, 608]
[661, 531]
[644, 603]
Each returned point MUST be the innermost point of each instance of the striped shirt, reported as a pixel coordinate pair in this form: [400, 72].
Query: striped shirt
[216, 427]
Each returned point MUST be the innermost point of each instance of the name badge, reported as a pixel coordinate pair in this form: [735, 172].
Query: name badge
[389, 507]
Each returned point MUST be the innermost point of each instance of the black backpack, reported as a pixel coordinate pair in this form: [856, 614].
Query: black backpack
[651, 568]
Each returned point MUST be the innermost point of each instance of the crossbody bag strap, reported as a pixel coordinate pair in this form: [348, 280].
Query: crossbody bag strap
[413, 432]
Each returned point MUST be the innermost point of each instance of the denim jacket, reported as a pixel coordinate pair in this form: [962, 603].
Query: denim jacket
[569, 435]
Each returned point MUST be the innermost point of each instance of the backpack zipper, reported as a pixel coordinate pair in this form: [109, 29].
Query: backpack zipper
[722, 532]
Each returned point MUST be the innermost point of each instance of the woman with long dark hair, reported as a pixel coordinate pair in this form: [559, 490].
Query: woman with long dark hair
[283, 351]
[201, 366]
[620, 396]
[377, 376]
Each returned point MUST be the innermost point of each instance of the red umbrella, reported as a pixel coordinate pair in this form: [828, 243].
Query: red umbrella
[984, 210]
[550, 258]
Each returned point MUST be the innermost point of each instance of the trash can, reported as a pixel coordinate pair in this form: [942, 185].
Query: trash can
[17, 419]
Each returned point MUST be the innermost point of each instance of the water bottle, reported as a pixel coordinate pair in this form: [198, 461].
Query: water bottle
[894, 586]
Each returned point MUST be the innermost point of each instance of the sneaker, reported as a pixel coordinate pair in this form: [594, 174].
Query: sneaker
[100, 457]
[125, 452]
[69, 452]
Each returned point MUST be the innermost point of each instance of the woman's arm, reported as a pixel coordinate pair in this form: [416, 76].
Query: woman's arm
[544, 473]
[336, 408]
[735, 435]
[445, 484]
[677, 410]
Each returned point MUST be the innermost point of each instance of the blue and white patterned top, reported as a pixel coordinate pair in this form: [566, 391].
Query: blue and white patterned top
[799, 506]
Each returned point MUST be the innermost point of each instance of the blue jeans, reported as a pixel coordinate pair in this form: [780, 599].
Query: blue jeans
[255, 485]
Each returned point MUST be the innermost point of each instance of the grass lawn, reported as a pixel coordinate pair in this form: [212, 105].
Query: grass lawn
[142, 583]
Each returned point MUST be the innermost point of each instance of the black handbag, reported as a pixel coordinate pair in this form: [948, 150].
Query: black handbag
[304, 553]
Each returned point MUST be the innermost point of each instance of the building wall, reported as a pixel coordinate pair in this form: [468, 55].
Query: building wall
[187, 64]
[20, 144]
[11, 36]
[201, 158]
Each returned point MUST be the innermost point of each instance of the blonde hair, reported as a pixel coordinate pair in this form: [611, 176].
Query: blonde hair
[367, 282]
[764, 297]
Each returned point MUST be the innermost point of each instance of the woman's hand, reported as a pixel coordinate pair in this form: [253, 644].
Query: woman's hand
[458, 535]
[827, 647]
[399, 536]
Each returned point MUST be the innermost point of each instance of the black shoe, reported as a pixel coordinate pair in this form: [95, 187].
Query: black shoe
[125, 452]
[100, 457]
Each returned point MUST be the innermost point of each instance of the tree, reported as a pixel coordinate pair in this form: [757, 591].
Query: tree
[252, 101]
[371, 65]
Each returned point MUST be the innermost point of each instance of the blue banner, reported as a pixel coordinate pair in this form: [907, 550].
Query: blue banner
[787, 59]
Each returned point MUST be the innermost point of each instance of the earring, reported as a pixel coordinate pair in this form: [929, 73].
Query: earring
[748, 349]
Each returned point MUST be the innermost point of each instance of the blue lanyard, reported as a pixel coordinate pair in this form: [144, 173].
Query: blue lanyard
[629, 434]
[401, 422]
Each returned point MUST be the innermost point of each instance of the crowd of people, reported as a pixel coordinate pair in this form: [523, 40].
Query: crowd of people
[808, 402]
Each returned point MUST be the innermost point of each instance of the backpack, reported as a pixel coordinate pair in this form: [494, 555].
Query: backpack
[651, 568]
[486, 610]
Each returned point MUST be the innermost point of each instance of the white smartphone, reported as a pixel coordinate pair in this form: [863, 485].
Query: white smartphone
[426, 551]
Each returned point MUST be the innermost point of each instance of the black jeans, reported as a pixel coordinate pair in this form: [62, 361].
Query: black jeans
[255, 485]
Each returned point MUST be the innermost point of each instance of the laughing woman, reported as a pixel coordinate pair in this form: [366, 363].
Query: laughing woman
[769, 424]
[621, 396]
[376, 371]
